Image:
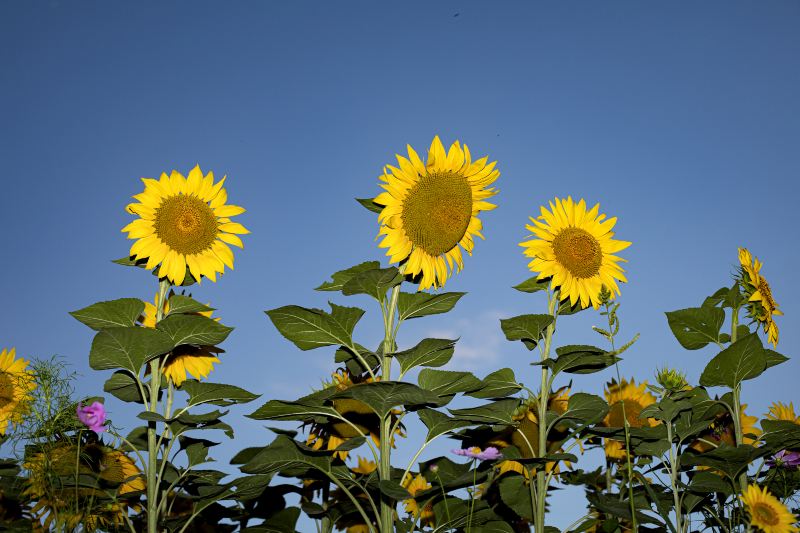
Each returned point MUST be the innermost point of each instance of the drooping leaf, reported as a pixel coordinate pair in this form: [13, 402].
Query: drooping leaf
[383, 396]
[127, 347]
[346, 355]
[374, 282]
[580, 359]
[201, 392]
[194, 329]
[111, 314]
[498, 384]
[343, 276]
[526, 328]
[413, 305]
[695, 327]
[393, 490]
[313, 328]
[516, 494]
[429, 352]
[122, 385]
[742, 360]
[180, 304]
[586, 408]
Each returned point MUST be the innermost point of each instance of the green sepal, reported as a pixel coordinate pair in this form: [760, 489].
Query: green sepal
[533, 285]
[370, 205]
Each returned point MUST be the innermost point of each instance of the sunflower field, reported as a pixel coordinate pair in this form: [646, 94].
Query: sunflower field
[677, 456]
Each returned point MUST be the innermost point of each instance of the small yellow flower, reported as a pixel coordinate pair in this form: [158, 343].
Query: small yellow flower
[761, 306]
[767, 512]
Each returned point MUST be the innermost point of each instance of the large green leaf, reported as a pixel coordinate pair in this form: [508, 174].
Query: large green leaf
[313, 328]
[180, 304]
[781, 434]
[727, 459]
[497, 412]
[429, 352]
[111, 314]
[373, 282]
[127, 347]
[346, 355]
[122, 385]
[215, 393]
[695, 327]
[280, 410]
[439, 423]
[194, 329]
[526, 328]
[383, 396]
[417, 304]
[517, 495]
[284, 452]
[447, 383]
[498, 384]
[343, 276]
[533, 285]
[744, 359]
[587, 408]
[579, 359]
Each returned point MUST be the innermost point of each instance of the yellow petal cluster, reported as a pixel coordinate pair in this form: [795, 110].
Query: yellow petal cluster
[16, 385]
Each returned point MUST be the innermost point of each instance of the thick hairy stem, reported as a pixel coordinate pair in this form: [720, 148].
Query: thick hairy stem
[152, 443]
[673, 469]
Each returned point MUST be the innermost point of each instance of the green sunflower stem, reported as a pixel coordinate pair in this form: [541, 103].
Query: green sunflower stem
[737, 401]
[152, 434]
[385, 467]
[544, 397]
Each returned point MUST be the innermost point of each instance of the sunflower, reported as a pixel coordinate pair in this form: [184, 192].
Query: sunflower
[574, 247]
[626, 400]
[365, 467]
[16, 385]
[761, 306]
[361, 419]
[415, 485]
[197, 361]
[781, 411]
[430, 209]
[184, 223]
[767, 512]
[60, 503]
[722, 430]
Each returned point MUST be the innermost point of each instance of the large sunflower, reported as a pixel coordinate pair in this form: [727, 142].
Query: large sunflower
[197, 361]
[184, 223]
[626, 400]
[781, 411]
[59, 503]
[761, 306]
[430, 209]
[767, 512]
[16, 384]
[575, 246]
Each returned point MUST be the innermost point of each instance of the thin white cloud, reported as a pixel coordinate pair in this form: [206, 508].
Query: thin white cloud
[480, 340]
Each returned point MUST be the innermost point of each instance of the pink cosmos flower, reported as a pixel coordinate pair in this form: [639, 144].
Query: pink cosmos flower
[489, 454]
[785, 459]
[93, 416]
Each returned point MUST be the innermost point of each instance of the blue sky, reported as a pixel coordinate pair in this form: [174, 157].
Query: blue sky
[680, 118]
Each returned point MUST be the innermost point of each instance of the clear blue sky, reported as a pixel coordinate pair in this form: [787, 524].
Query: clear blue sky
[680, 118]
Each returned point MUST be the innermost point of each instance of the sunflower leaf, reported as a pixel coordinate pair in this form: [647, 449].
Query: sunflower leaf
[393, 490]
[526, 328]
[194, 329]
[533, 285]
[370, 205]
[587, 408]
[447, 383]
[416, 304]
[498, 384]
[280, 410]
[313, 328]
[341, 277]
[122, 385]
[112, 314]
[383, 396]
[373, 282]
[180, 304]
[497, 412]
[429, 352]
[283, 453]
[201, 392]
[742, 360]
[695, 327]
[439, 423]
[579, 359]
[127, 347]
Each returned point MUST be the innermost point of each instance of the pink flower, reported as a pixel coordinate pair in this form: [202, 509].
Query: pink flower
[489, 454]
[93, 416]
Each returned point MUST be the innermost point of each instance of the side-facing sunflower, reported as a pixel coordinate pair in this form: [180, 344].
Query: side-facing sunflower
[430, 209]
[626, 400]
[184, 223]
[16, 385]
[761, 306]
[781, 411]
[767, 513]
[59, 503]
[197, 361]
[575, 246]
[414, 485]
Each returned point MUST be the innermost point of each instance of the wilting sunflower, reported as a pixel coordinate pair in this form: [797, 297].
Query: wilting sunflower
[432, 209]
[722, 430]
[16, 385]
[767, 512]
[761, 306]
[361, 419]
[626, 400]
[58, 503]
[575, 246]
[184, 223]
[781, 411]
[414, 485]
[197, 361]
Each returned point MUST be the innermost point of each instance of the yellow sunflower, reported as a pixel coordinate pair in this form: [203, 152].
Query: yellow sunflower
[626, 400]
[761, 306]
[16, 385]
[430, 209]
[365, 467]
[781, 411]
[722, 430]
[184, 223]
[415, 485]
[767, 512]
[58, 503]
[197, 361]
[575, 246]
